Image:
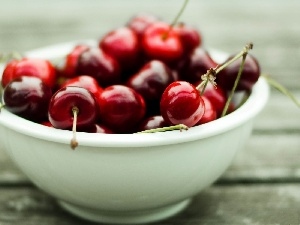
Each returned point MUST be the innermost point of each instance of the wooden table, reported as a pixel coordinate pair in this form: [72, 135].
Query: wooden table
[262, 186]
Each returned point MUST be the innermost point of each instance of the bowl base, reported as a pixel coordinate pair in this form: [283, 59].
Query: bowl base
[135, 217]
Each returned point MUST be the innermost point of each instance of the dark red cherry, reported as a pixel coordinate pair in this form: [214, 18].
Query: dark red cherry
[86, 82]
[249, 76]
[122, 108]
[196, 65]
[152, 122]
[210, 113]
[189, 36]
[140, 22]
[71, 60]
[96, 63]
[123, 45]
[151, 80]
[35, 67]
[27, 97]
[70, 98]
[161, 42]
[181, 103]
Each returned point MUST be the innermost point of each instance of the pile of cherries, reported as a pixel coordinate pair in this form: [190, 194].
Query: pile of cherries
[141, 76]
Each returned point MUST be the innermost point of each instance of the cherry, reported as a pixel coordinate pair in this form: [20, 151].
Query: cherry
[249, 76]
[181, 103]
[27, 97]
[123, 45]
[140, 22]
[196, 65]
[71, 60]
[189, 36]
[40, 68]
[151, 80]
[217, 96]
[122, 108]
[210, 113]
[96, 63]
[67, 100]
[161, 42]
[152, 122]
[86, 82]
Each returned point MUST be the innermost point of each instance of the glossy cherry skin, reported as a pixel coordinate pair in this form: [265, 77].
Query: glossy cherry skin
[87, 82]
[122, 108]
[123, 45]
[152, 122]
[35, 67]
[181, 103]
[189, 36]
[140, 22]
[217, 96]
[196, 65]
[151, 80]
[27, 97]
[96, 63]
[63, 102]
[210, 113]
[161, 42]
[249, 76]
[71, 60]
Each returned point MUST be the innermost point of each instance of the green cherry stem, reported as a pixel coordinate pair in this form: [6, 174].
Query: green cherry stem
[74, 142]
[281, 88]
[179, 13]
[163, 129]
[1, 106]
[165, 36]
[234, 85]
[210, 75]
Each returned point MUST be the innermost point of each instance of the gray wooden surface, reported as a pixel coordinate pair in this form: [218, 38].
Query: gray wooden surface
[262, 186]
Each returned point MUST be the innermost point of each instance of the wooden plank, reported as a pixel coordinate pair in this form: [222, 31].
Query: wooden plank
[238, 204]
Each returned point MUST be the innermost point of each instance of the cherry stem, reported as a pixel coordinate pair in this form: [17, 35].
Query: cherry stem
[1, 106]
[281, 89]
[163, 129]
[234, 85]
[74, 142]
[165, 36]
[210, 75]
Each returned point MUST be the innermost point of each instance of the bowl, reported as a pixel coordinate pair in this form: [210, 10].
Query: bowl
[127, 178]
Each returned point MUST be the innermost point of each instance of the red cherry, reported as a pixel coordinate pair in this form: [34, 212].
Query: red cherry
[189, 36]
[96, 63]
[122, 44]
[122, 108]
[196, 65]
[27, 97]
[140, 22]
[71, 60]
[152, 122]
[65, 100]
[210, 113]
[40, 68]
[151, 80]
[181, 103]
[161, 42]
[249, 76]
[217, 96]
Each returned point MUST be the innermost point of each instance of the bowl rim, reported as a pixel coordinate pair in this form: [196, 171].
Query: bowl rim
[254, 104]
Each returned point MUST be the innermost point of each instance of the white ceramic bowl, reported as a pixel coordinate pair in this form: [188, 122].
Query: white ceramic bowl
[127, 178]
